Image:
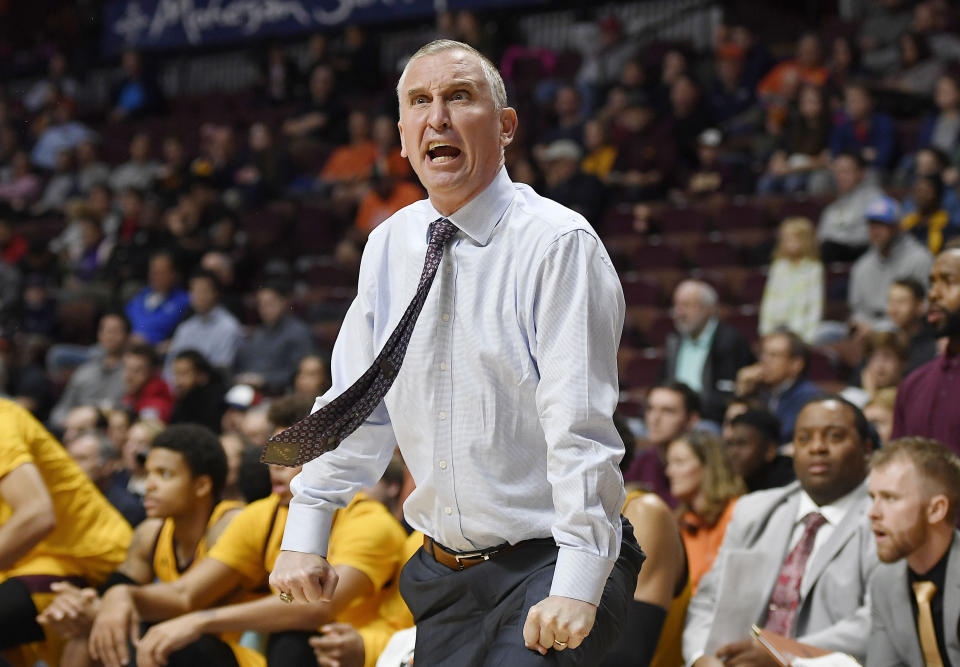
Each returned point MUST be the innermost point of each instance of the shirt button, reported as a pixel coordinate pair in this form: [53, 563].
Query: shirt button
[449, 269]
[443, 465]
[442, 415]
[443, 365]
[446, 317]
[448, 510]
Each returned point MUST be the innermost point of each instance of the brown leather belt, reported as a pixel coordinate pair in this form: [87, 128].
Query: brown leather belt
[461, 560]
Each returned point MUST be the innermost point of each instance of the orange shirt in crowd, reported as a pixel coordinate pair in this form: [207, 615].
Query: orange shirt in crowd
[702, 542]
[373, 210]
[353, 162]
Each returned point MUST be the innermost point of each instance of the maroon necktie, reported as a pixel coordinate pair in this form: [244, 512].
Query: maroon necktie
[328, 426]
[786, 593]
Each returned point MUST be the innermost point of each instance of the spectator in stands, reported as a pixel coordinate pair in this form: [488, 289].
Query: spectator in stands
[646, 156]
[879, 412]
[60, 187]
[568, 111]
[58, 82]
[174, 171]
[354, 161]
[672, 409]
[881, 23]
[234, 446]
[843, 230]
[321, 119]
[99, 459]
[199, 391]
[564, 182]
[929, 223]
[312, 378]
[930, 163]
[712, 177]
[918, 69]
[844, 65]
[157, 309]
[90, 169]
[268, 357]
[801, 161]
[794, 292]
[863, 131]
[81, 419]
[277, 80]
[13, 244]
[736, 407]
[892, 255]
[262, 174]
[818, 593]
[753, 450]
[140, 170]
[906, 309]
[704, 353]
[61, 132]
[707, 489]
[137, 93]
[780, 378]
[146, 392]
[99, 381]
[779, 87]
[186, 476]
[364, 549]
[255, 424]
[212, 330]
[385, 195]
[731, 99]
[134, 451]
[600, 151]
[688, 118]
[885, 360]
[19, 186]
[941, 129]
[915, 486]
[605, 57]
[88, 268]
[56, 527]
[926, 399]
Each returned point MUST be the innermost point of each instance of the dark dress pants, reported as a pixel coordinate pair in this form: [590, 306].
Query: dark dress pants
[475, 617]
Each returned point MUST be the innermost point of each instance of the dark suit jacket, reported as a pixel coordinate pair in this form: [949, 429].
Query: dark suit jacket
[893, 635]
[729, 353]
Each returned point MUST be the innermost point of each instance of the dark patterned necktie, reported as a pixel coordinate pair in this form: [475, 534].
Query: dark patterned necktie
[785, 598]
[327, 427]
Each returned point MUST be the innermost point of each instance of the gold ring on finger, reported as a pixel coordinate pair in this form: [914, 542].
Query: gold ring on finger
[559, 644]
[286, 597]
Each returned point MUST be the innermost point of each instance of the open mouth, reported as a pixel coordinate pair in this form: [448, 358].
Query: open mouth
[440, 153]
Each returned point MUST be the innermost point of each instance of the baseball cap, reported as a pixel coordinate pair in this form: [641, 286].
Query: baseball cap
[241, 397]
[885, 210]
[562, 149]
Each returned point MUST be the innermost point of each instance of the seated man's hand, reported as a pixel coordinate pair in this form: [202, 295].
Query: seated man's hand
[558, 623]
[305, 577]
[72, 612]
[164, 638]
[746, 653]
[339, 645]
[116, 620]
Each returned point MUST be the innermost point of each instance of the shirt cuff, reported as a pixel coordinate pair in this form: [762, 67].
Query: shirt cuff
[580, 575]
[307, 530]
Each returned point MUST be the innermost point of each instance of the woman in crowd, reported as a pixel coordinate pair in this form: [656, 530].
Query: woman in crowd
[794, 293]
[706, 486]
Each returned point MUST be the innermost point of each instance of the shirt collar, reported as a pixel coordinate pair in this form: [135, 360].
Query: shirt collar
[706, 334]
[834, 512]
[479, 216]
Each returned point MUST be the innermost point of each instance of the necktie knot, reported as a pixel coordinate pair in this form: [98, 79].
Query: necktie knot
[813, 521]
[440, 232]
[924, 590]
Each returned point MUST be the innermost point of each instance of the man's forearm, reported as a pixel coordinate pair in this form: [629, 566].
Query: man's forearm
[21, 533]
[267, 614]
[158, 602]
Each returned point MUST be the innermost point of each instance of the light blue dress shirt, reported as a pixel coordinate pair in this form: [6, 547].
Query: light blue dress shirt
[503, 405]
[692, 355]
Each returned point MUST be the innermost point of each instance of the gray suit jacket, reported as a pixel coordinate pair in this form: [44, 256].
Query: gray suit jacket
[893, 638]
[834, 610]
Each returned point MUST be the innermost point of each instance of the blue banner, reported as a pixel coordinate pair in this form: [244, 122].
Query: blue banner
[171, 24]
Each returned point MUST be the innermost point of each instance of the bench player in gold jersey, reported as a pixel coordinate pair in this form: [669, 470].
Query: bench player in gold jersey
[186, 470]
[55, 526]
[365, 549]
